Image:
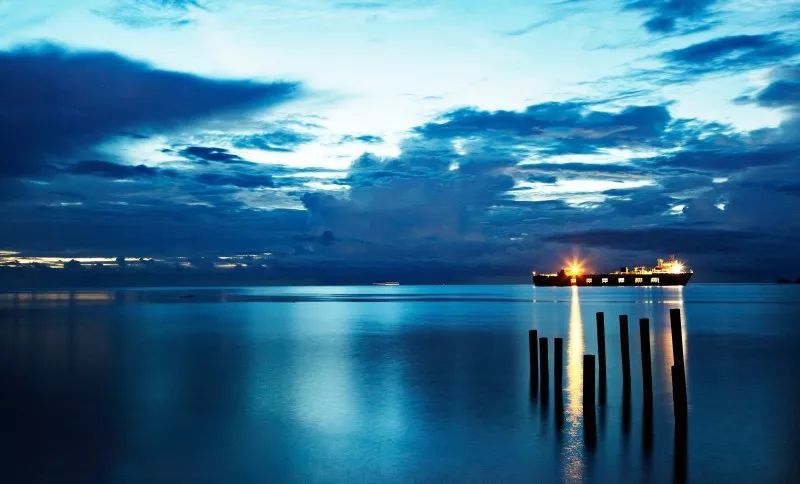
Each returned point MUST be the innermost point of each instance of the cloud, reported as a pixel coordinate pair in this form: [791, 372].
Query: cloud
[242, 180]
[211, 153]
[477, 193]
[452, 193]
[59, 104]
[674, 16]
[111, 170]
[281, 140]
[576, 167]
[160, 227]
[719, 56]
[664, 239]
[363, 138]
[783, 90]
[569, 127]
[152, 13]
[730, 54]
[529, 27]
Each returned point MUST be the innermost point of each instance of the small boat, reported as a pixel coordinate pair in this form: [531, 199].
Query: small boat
[386, 283]
[671, 272]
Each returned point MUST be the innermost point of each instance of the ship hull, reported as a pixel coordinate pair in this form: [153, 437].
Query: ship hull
[604, 280]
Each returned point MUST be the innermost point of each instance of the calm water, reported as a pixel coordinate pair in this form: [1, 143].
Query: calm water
[409, 383]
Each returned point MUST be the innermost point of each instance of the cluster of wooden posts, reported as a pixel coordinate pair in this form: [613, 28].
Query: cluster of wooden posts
[539, 371]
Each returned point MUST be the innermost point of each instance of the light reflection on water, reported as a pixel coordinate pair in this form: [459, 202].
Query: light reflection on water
[573, 446]
[55, 296]
[421, 383]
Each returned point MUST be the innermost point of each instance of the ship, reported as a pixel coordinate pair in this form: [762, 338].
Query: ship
[669, 272]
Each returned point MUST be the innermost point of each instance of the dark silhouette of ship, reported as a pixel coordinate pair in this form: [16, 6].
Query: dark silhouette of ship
[670, 272]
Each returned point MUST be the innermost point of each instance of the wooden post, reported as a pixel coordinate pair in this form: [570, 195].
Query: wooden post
[544, 369]
[588, 384]
[626, 354]
[533, 349]
[677, 337]
[558, 365]
[601, 354]
[647, 373]
[589, 420]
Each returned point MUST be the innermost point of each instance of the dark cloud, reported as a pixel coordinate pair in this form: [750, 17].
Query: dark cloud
[719, 56]
[730, 54]
[160, 227]
[242, 180]
[282, 140]
[670, 16]
[572, 127]
[784, 90]
[111, 170]
[151, 13]
[663, 239]
[251, 176]
[574, 167]
[705, 155]
[58, 104]
[211, 153]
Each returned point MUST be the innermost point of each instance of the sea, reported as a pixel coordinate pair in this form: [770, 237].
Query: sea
[392, 384]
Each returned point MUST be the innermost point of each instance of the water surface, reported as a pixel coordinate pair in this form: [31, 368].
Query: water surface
[406, 383]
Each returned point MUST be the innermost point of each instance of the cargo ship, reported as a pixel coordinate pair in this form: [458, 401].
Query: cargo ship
[670, 272]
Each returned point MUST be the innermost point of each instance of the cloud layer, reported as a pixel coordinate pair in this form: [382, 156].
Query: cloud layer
[58, 104]
[121, 158]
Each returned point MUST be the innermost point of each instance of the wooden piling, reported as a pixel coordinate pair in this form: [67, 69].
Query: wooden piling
[533, 349]
[588, 384]
[558, 365]
[625, 352]
[601, 354]
[677, 337]
[589, 419]
[647, 373]
[544, 369]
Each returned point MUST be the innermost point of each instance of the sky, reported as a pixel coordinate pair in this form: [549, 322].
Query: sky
[411, 140]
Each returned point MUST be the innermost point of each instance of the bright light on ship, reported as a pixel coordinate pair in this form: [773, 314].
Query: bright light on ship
[677, 268]
[574, 267]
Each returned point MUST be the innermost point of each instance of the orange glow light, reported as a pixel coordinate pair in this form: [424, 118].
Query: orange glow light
[574, 267]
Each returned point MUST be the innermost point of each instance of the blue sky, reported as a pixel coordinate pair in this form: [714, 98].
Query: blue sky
[430, 139]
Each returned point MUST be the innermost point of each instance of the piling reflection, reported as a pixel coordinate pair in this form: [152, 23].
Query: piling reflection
[573, 444]
[626, 374]
[647, 387]
[558, 383]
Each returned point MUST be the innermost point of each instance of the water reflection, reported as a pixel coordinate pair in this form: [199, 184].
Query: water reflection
[673, 298]
[55, 296]
[295, 384]
[573, 445]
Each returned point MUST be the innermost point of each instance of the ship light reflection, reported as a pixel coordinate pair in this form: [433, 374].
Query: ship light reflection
[573, 445]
